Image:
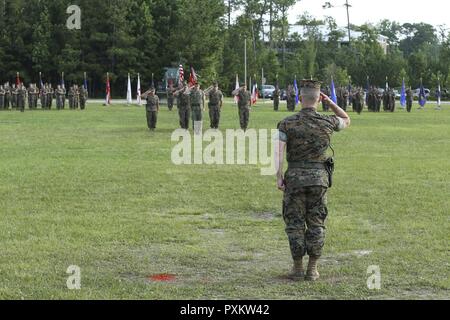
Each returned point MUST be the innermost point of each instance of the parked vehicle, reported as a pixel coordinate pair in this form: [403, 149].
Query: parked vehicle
[267, 91]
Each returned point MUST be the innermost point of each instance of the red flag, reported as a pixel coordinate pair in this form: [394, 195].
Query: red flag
[18, 79]
[108, 90]
[193, 79]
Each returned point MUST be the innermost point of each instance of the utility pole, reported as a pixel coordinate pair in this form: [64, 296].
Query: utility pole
[348, 21]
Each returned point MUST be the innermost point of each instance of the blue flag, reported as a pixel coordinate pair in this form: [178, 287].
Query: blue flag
[297, 97]
[333, 92]
[403, 95]
[422, 96]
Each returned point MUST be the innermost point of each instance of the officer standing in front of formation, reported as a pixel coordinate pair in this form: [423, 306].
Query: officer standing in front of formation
[170, 96]
[215, 98]
[152, 108]
[14, 93]
[409, 99]
[276, 98]
[83, 98]
[21, 97]
[43, 98]
[291, 97]
[308, 177]
[197, 107]
[58, 94]
[76, 97]
[244, 105]
[184, 105]
[2, 97]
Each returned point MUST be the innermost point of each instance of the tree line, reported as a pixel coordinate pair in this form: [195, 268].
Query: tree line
[145, 36]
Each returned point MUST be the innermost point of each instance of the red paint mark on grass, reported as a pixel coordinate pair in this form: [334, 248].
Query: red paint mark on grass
[162, 277]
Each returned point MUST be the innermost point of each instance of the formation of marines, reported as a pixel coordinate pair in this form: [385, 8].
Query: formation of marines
[18, 96]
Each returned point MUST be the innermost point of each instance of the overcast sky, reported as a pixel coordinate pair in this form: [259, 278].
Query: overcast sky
[435, 12]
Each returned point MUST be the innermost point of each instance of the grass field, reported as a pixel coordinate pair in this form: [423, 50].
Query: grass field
[97, 190]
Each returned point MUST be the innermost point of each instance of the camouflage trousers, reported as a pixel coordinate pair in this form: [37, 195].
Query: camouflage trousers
[184, 114]
[409, 105]
[305, 212]
[244, 117]
[152, 119]
[82, 104]
[276, 104]
[214, 116]
[197, 115]
[2, 102]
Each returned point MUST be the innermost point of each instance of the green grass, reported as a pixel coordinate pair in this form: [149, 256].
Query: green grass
[97, 190]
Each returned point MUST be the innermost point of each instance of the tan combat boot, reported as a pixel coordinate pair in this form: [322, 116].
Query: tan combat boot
[298, 273]
[312, 274]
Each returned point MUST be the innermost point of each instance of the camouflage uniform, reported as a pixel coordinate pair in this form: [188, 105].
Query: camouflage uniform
[170, 97]
[83, 98]
[196, 97]
[21, 98]
[14, 95]
[59, 97]
[2, 97]
[43, 97]
[276, 99]
[214, 105]
[50, 93]
[391, 101]
[70, 97]
[76, 97]
[244, 108]
[7, 96]
[152, 111]
[184, 109]
[291, 99]
[308, 137]
[409, 100]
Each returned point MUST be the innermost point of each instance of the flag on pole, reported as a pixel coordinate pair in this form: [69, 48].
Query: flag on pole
[193, 78]
[85, 82]
[129, 97]
[367, 90]
[18, 79]
[333, 91]
[236, 98]
[403, 95]
[180, 75]
[255, 92]
[40, 80]
[422, 95]
[108, 90]
[350, 91]
[139, 99]
[63, 85]
[297, 96]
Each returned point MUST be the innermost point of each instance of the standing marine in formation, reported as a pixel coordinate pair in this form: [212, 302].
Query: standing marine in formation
[244, 100]
[409, 99]
[170, 96]
[215, 98]
[197, 99]
[21, 97]
[83, 97]
[306, 138]
[60, 95]
[2, 97]
[276, 98]
[291, 97]
[184, 105]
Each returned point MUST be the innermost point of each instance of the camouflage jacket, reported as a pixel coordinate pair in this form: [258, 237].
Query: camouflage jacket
[196, 97]
[308, 137]
[152, 103]
[244, 99]
[215, 96]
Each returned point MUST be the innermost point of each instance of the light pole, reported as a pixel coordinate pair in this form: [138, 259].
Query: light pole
[328, 5]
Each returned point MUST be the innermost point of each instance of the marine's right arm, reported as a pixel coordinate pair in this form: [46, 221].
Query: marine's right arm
[338, 111]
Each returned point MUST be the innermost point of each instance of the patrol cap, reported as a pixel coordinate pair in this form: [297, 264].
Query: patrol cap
[310, 84]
